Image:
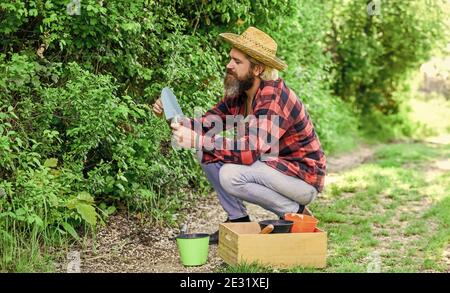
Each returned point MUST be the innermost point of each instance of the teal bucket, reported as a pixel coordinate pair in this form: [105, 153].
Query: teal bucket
[193, 248]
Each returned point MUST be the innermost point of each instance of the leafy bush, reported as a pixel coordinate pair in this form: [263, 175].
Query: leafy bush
[374, 53]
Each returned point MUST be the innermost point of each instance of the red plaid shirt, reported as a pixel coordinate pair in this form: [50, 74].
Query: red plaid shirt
[299, 151]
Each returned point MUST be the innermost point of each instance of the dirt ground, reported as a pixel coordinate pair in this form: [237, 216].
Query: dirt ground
[127, 244]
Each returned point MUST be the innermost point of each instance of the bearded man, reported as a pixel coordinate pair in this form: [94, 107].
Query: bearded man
[283, 175]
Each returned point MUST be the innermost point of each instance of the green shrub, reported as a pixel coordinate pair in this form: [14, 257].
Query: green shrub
[375, 53]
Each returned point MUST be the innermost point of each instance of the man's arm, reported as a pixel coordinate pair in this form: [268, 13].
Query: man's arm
[262, 135]
[216, 115]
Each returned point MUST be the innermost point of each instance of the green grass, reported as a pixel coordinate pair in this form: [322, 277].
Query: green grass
[22, 251]
[31, 249]
[395, 210]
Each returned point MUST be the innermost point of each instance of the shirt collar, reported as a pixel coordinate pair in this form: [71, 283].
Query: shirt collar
[272, 83]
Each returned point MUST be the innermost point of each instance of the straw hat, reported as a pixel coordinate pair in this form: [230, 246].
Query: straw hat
[258, 45]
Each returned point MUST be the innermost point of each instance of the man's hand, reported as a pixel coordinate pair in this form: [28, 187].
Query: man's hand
[158, 107]
[184, 136]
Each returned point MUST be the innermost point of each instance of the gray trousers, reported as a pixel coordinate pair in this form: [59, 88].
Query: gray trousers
[258, 184]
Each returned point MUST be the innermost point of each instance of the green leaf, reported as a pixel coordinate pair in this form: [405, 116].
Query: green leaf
[120, 186]
[72, 203]
[33, 12]
[71, 230]
[110, 210]
[36, 161]
[35, 219]
[121, 177]
[51, 163]
[84, 196]
[87, 212]
[20, 212]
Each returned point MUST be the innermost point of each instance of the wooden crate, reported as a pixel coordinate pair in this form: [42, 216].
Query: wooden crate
[241, 243]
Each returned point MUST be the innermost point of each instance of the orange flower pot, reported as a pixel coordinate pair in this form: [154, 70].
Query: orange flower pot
[302, 223]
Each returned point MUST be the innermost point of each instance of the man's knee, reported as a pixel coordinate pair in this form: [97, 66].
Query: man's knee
[229, 177]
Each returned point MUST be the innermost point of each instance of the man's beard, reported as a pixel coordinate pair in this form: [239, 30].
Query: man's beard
[234, 86]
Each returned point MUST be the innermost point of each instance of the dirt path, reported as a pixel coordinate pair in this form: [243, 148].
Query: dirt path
[127, 245]
[337, 165]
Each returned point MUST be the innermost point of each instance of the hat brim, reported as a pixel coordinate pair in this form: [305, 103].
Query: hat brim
[274, 62]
